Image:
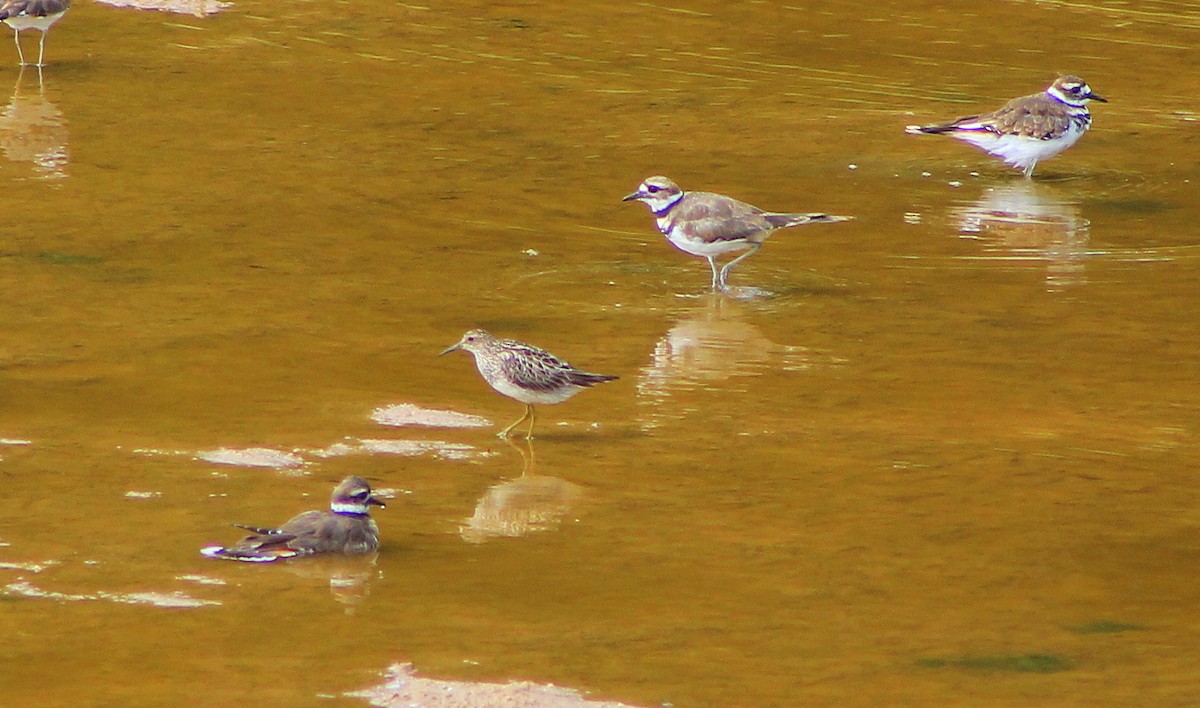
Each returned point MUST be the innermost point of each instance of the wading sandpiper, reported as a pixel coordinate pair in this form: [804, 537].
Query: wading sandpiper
[525, 373]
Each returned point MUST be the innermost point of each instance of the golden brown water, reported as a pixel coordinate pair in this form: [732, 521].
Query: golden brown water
[951, 461]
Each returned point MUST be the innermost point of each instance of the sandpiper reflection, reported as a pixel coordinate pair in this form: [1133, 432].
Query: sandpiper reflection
[1026, 221]
[522, 506]
[33, 130]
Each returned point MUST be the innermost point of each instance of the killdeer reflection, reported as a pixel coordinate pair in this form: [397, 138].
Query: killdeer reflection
[32, 14]
[525, 373]
[710, 225]
[347, 528]
[33, 131]
[1027, 129]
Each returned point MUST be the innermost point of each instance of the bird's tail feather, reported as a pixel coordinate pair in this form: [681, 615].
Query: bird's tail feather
[781, 221]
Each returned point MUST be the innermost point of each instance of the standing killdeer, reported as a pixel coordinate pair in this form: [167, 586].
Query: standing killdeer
[346, 528]
[525, 373]
[1027, 129]
[709, 225]
[32, 14]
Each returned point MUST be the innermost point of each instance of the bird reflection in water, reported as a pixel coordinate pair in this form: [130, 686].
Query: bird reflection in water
[349, 576]
[522, 506]
[707, 346]
[33, 130]
[1026, 221]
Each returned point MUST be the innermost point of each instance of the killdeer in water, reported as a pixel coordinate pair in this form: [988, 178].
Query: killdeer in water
[347, 528]
[32, 14]
[525, 373]
[1027, 129]
[710, 225]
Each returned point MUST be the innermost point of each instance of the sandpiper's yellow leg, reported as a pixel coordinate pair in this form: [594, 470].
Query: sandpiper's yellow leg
[532, 420]
[528, 412]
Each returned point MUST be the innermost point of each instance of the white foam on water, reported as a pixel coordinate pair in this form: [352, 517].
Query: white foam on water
[201, 579]
[407, 414]
[252, 457]
[24, 588]
[405, 448]
[29, 567]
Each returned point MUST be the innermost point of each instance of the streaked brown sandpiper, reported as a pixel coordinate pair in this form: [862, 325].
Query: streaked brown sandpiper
[525, 373]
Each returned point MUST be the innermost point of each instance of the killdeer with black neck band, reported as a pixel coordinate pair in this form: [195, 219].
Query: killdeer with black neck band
[347, 528]
[710, 225]
[1027, 129]
[32, 14]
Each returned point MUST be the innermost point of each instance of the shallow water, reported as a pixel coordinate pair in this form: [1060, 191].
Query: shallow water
[949, 459]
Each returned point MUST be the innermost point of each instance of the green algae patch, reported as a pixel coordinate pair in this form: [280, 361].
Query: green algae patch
[1105, 627]
[1016, 663]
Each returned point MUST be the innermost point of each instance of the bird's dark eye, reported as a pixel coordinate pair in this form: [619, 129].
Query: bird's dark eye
[651, 188]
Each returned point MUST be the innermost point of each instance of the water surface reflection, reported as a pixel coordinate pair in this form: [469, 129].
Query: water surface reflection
[710, 344]
[33, 130]
[349, 577]
[528, 504]
[1028, 221]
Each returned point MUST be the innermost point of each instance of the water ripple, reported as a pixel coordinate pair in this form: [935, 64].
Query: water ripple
[24, 588]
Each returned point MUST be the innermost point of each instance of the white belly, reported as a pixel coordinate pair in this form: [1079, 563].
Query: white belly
[24, 22]
[525, 395]
[1017, 150]
[699, 247]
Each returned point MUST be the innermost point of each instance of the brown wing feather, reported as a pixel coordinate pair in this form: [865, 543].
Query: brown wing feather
[263, 539]
[1031, 116]
[715, 217]
[535, 369]
[310, 531]
[1028, 115]
[261, 542]
[538, 370]
[257, 530]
